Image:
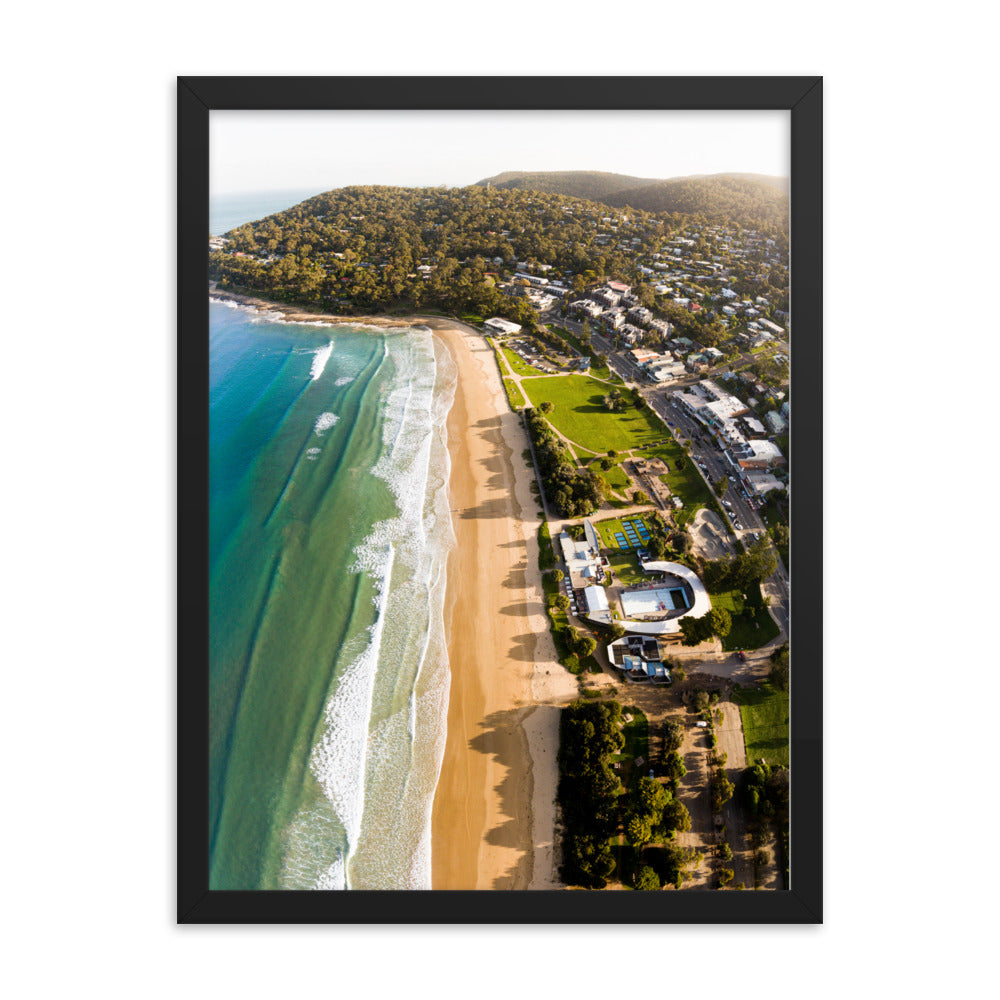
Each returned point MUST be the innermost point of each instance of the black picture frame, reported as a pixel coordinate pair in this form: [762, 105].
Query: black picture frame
[802, 97]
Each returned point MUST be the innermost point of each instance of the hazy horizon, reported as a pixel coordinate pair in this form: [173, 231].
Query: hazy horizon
[257, 152]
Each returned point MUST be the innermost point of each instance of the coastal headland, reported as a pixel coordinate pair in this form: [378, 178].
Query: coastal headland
[493, 816]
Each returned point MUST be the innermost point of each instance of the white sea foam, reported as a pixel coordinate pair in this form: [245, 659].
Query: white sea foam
[380, 754]
[338, 759]
[228, 303]
[320, 359]
[345, 379]
[312, 454]
[324, 422]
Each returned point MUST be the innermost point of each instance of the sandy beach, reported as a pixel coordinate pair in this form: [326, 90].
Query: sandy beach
[493, 818]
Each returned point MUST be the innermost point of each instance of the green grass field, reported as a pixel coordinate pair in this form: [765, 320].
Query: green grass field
[514, 396]
[615, 477]
[752, 627]
[764, 711]
[625, 567]
[581, 416]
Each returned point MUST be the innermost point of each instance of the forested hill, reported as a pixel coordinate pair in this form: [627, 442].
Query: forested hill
[593, 185]
[750, 199]
[374, 248]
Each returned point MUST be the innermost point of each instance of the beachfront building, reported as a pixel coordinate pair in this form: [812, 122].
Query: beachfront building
[499, 325]
[638, 658]
[585, 574]
[656, 608]
[653, 608]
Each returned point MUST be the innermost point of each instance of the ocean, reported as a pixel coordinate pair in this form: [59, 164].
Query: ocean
[330, 530]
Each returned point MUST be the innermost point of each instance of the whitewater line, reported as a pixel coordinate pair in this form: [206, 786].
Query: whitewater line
[320, 358]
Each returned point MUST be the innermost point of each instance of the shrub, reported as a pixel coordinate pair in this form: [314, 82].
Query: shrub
[722, 790]
[638, 830]
[673, 735]
[674, 766]
[726, 876]
[646, 878]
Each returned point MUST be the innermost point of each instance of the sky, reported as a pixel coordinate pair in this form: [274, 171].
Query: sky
[282, 150]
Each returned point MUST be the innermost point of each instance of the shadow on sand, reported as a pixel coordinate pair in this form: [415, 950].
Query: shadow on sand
[503, 738]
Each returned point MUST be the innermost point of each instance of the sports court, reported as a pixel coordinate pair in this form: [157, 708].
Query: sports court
[634, 534]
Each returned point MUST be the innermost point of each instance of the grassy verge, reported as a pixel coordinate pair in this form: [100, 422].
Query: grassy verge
[546, 557]
[514, 396]
[764, 712]
[517, 364]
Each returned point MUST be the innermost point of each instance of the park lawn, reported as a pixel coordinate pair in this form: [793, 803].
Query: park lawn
[615, 477]
[636, 734]
[753, 627]
[581, 416]
[514, 396]
[517, 364]
[626, 569]
[764, 713]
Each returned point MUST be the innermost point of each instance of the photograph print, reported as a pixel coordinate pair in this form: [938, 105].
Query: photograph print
[499, 443]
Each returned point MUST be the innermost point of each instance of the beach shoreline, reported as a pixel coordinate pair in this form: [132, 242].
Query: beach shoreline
[493, 815]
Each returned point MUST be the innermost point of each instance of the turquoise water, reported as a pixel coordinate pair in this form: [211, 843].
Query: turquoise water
[329, 533]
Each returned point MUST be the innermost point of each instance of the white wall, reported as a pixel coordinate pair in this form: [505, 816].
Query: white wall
[88, 552]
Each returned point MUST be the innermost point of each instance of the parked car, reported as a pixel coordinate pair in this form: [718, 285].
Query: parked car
[702, 725]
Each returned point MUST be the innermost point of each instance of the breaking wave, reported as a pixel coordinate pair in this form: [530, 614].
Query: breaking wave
[324, 422]
[380, 753]
[319, 361]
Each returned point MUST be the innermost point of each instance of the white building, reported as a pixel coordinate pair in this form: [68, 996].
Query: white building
[499, 325]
